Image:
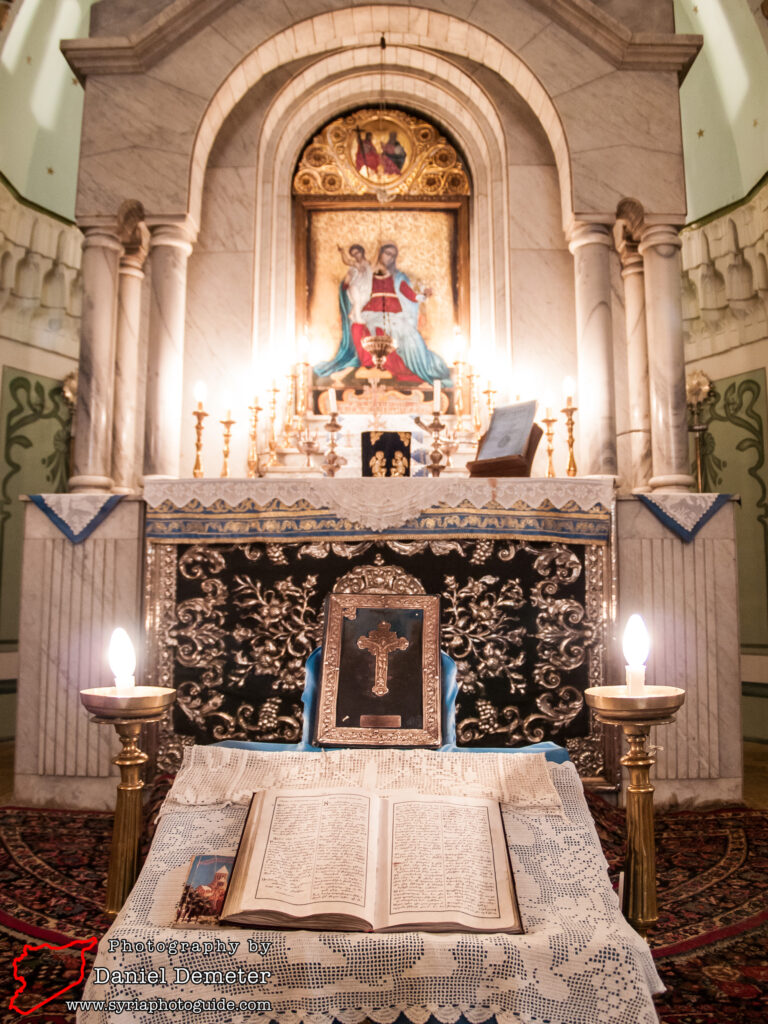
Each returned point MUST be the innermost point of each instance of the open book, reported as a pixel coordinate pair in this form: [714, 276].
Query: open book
[509, 445]
[350, 860]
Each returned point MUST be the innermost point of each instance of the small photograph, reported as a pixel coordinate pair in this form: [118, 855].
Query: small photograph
[204, 890]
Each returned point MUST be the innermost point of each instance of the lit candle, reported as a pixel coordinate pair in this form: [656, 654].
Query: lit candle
[229, 414]
[332, 400]
[122, 661]
[636, 646]
[436, 396]
[569, 386]
[200, 392]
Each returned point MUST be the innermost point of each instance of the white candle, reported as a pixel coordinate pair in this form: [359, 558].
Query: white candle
[636, 646]
[332, 400]
[122, 661]
[200, 393]
[569, 386]
[436, 396]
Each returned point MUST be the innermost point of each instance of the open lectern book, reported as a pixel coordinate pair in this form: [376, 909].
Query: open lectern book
[348, 860]
[508, 446]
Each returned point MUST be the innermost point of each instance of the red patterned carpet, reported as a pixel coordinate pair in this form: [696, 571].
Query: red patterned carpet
[711, 944]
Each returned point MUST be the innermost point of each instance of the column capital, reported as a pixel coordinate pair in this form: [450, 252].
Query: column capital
[631, 260]
[99, 236]
[172, 230]
[660, 237]
[589, 234]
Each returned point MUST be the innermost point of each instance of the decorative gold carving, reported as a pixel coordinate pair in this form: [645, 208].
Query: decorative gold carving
[384, 153]
[378, 464]
[378, 579]
[381, 642]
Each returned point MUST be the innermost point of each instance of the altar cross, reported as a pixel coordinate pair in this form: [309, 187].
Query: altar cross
[380, 642]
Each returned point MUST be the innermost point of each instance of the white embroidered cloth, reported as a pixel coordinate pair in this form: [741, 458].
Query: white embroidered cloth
[686, 509]
[385, 504]
[221, 775]
[77, 510]
[578, 963]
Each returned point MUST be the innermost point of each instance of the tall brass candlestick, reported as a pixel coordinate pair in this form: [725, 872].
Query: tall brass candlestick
[549, 424]
[272, 443]
[568, 411]
[227, 423]
[291, 421]
[474, 394]
[253, 447]
[302, 393]
[199, 413]
[458, 396]
[490, 399]
[435, 427]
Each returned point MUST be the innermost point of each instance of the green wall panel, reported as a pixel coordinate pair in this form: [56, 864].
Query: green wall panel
[734, 462]
[34, 455]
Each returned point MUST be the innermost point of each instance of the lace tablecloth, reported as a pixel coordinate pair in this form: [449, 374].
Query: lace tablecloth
[578, 963]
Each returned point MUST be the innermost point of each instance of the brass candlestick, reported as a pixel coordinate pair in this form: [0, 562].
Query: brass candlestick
[308, 446]
[291, 421]
[490, 399]
[474, 396]
[127, 712]
[199, 413]
[254, 460]
[333, 461]
[549, 425]
[656, 705]
[449, 446]
[227, 424]
[272, 442]
[568, 411]
[435, 456]
[458, 396]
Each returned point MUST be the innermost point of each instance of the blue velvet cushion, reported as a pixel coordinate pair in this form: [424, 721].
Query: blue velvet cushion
[450, 688]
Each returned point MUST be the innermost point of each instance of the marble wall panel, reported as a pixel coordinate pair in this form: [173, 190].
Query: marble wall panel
[227, 222]
[562, 60]
[688, 595]
[72, 598]
[534, 208]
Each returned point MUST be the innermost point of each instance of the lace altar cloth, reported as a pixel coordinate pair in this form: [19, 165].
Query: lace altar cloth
[220, 775]
[234, 509]
[579, 960]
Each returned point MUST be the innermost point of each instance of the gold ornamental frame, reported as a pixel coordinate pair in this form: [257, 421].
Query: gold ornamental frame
[345, 606]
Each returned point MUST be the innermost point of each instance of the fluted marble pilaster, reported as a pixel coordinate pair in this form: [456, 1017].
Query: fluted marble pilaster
[660, 248]
[596, 423]
[124, 470]
[95, 390]
[169, 250]
[637, 368]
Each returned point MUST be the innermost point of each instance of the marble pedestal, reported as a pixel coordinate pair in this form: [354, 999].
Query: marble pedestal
[688, 596]
[72, 596]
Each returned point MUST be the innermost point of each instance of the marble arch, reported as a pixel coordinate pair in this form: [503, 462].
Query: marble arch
[321, 92]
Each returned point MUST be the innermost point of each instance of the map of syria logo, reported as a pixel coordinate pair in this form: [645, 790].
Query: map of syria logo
[31, 971]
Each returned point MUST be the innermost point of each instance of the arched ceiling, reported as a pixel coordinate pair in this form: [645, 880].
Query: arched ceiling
[724, 119]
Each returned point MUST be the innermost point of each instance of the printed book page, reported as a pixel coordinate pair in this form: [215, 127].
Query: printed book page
[448, 864]
[306, 855]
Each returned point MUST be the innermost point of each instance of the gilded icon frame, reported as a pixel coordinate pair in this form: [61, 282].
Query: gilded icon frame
[334, 687]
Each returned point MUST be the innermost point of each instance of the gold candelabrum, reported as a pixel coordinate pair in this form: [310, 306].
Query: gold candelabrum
[199, 413]
[474, 397]
[654, 705]
[333, 461]
[302, 395]
[307, 445]
[568, 412]
[549, 432]
[227, 423]
[458, 396]
[436, 427]
[128, 711]
[254, 459]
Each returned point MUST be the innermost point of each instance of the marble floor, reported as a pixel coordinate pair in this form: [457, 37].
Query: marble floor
[755, 774]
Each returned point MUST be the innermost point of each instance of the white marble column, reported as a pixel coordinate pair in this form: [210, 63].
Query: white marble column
[660, 248]
[95, 388]
[125, 473]
[637, 367]
[169, 250]
[596, 418]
